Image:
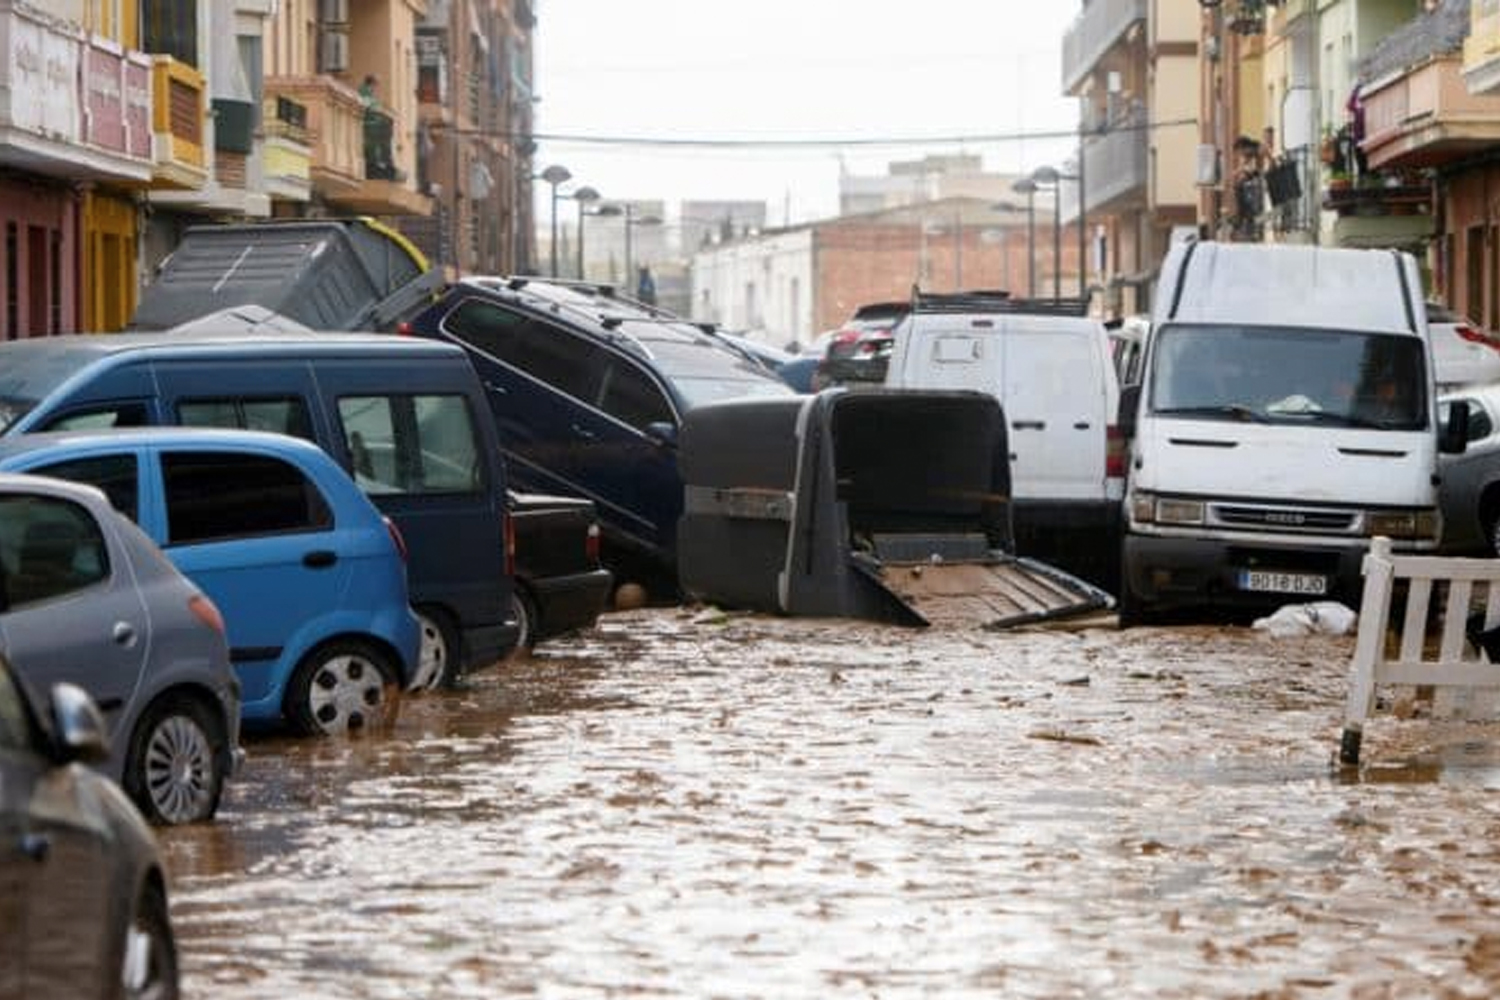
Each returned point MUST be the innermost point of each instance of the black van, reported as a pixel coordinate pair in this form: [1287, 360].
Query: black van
[588, 390]
[405, 417]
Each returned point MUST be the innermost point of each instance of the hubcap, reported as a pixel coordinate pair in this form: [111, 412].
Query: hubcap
[432, 661]
[347, 693]
[179, 769]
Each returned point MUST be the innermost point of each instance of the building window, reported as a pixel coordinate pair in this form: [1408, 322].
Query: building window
[170, 27]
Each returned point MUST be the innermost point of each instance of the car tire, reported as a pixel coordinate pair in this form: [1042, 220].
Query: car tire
[523, 609]
[1492, 532]
[341, 687]
[148, 969]
[1131, 609]
[438, 662]
[175, 769]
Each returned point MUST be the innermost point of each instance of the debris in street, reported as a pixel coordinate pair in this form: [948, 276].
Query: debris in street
[1325, 617]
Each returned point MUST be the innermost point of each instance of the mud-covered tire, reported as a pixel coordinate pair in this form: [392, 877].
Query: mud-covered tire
[341, 687]
[438, 661]
[148, 967]
[176, 764]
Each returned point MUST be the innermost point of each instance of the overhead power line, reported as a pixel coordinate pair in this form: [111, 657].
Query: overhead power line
[810, 143]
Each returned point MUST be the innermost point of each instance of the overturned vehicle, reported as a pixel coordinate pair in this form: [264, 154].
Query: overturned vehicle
[890, 505]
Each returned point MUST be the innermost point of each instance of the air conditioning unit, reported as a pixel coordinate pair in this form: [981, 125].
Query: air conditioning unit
[333, 11]
[333, 51]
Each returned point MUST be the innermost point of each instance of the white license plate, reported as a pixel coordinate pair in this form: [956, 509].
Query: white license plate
[1283, 583]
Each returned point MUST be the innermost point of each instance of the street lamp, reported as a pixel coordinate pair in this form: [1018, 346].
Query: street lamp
[585, 196]
[555, 175]
[1027, 186]
[1053, 178]
[626, 211]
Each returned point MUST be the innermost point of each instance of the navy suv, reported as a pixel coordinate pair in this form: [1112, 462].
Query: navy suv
[588, 390]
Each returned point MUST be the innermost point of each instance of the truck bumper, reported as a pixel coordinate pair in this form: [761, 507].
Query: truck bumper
[567, 603]
[1168, 572]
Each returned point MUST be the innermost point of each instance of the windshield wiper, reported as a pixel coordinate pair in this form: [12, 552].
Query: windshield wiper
[1344, 420]
[1236, 411]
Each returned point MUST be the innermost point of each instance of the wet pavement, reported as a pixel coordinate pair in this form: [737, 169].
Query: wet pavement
[681, 804]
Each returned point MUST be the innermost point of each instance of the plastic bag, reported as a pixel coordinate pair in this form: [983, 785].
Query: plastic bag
[1326, 617]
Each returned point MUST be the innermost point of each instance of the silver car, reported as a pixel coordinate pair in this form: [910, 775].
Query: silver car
[86, 597]
[83, 899]
[1470, 488]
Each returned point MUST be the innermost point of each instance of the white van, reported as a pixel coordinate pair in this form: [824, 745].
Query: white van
[1050, 368]
[1286, 415]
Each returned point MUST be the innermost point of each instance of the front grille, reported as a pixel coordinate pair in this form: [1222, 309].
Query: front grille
[1292, 519]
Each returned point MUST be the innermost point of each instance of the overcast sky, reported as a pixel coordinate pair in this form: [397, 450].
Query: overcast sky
[791, 70]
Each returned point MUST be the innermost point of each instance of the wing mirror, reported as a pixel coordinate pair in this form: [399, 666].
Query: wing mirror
[77, 725]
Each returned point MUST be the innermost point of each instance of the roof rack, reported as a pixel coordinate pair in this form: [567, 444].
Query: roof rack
[994, 300]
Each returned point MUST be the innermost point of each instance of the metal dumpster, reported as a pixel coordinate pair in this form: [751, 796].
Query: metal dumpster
[891, 505]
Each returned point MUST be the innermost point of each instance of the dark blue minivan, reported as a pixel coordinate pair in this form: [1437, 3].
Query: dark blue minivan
[404, 417]
[588, 390]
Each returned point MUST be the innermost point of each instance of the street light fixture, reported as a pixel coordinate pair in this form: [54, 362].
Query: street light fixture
[555, 175]
[1027, 186]
[585, 196]
[626, 210]
[1052, 177]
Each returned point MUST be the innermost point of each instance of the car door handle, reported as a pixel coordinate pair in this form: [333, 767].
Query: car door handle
[494, 387]
[584, 433]
[1082, 425]
[36, 846]
[123, 634]
[319, 559]
[1029, 425]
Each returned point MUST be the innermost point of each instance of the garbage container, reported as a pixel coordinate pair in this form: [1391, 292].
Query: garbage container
[884, 504]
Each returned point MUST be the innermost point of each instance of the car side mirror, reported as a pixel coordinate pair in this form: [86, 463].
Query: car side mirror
[77, 726]
[1453, 435]
[1130, 402]
[663, 433]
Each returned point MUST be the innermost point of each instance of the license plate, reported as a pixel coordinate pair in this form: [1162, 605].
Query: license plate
[1283, 583]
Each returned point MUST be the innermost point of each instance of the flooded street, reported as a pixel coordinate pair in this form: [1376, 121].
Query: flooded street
[683, 805]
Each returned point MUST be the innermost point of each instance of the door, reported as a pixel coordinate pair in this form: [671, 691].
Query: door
[73, 611]
[1056, 413]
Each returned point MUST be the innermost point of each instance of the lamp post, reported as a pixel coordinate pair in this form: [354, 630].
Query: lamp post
[1027, 186]
[585, 196]
[1001, 236]
[555, 175]
[1053, 178]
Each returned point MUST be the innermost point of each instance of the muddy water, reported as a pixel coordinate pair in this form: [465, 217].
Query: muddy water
[754, 807]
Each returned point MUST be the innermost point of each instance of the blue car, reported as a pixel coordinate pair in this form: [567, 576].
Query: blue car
[309, 577]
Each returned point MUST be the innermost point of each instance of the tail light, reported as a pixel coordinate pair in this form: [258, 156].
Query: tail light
[1476, 336]
[591, 545]
[510, 545]
[206, 612]
[396, 537]
[1114, 452]
[404, 329]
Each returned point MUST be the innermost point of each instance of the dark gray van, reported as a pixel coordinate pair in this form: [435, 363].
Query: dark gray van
[405, 417]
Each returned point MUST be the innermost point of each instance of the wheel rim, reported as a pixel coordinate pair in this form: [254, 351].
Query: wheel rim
[1495, 536]
[179, 764]
[347, 692]
[522, 615]
[143, 974]
[432, 661]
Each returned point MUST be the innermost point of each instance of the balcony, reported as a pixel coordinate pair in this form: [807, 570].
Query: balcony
[1115, 169]
[1097, 28]
[73, 106]
[1425, 116]
[178, 109]
[1482, 51]
[287, 150]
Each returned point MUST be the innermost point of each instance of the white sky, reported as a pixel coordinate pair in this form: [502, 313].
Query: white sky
[791, 69]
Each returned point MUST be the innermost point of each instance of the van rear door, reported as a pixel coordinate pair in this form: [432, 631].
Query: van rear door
[1058, 417]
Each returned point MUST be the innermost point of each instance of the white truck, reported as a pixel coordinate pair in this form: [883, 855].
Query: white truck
[1286, 416]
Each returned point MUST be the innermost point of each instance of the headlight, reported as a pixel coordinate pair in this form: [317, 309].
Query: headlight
[1146, 508]
[1406, 524]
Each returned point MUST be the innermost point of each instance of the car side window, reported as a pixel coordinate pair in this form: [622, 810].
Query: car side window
[116, 475]
[221, 495]
[549, 354]
[126, 414]
[412, 444]
[485, 326]
[15, 724]
[630, 396]
[277, 414]
[49, 547]
[1480, 424]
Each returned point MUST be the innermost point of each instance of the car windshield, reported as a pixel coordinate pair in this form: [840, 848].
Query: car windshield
[31, 369]
[1289, 375]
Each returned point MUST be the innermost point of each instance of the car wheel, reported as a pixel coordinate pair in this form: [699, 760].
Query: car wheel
[149, 968]
[1492, 532]
[523, 609]
[437, 664]
[1131, 609]
[341, 687]
[173, 772]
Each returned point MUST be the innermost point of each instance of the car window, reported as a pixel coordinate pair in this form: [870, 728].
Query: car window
[116, 475]
[127, 414]
[277, 414]
[412, 444]
[629, 395]
[15, 724]
[547, 353]
[222, 495]
[49, 547]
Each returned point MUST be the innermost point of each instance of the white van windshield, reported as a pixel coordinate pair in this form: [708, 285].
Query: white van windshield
[1289, 375]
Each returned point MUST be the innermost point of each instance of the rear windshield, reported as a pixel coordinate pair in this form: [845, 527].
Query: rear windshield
[1289, 375]
[30, 371]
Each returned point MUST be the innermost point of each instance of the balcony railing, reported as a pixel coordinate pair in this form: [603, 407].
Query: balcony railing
[178, 108]
[1098, 26]
[379, 131]
[1115, 165]
[332, 118]
[1426, 116]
